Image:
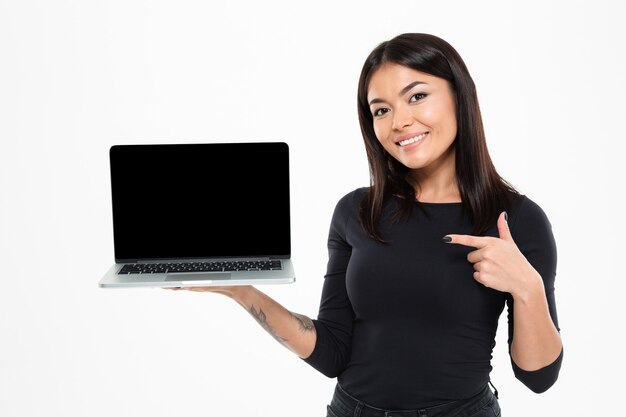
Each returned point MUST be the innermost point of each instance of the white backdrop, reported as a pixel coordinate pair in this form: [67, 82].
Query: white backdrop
[77, 76]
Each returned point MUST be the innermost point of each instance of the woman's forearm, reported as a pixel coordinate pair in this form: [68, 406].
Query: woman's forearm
[536, 341]
[294, 331]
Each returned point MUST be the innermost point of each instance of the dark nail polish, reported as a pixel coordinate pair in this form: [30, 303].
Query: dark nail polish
[447, 239]
[506, 216]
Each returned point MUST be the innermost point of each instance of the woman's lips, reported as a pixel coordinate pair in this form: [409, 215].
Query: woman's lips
[412, 141]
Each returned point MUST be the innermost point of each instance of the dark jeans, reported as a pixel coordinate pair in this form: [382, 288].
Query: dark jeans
[484, 404]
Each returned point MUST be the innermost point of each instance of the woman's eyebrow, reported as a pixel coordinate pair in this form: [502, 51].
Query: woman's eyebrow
[400, 94]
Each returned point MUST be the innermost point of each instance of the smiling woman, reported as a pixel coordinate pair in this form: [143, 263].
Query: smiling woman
[402, 324]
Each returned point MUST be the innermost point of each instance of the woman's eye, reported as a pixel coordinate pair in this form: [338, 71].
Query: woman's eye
[417, 97]
[380, 112]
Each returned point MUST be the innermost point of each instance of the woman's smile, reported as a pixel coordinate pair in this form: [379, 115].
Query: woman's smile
[412, 141]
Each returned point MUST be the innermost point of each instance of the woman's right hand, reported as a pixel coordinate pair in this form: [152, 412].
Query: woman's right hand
[231, 291]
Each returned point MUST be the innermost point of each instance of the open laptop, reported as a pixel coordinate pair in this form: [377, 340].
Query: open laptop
[200, 215]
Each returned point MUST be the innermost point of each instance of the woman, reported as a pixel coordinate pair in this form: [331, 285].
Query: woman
[407, 322]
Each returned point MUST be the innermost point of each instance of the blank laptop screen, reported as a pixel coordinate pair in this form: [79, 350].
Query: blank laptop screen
[200, 200]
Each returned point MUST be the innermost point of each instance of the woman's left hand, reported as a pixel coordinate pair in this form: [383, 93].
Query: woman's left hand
[498, 262]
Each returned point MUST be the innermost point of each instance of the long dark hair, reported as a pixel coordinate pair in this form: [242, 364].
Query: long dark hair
[483, 192]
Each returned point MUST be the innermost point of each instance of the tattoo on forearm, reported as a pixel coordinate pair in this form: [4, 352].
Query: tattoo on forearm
[259, 315]
[306, 324]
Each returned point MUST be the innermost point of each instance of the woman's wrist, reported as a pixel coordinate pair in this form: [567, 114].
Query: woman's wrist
[530, 287]
[238, 292]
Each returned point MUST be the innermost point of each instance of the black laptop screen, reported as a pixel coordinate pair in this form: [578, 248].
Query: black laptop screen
[200, 200]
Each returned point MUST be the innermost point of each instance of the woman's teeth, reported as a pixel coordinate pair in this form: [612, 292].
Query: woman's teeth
[412, 140]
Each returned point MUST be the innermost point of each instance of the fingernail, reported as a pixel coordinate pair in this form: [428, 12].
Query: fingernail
[506, 216]
[447, 239]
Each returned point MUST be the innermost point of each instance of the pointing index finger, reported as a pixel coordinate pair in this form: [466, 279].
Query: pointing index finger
[466, 240]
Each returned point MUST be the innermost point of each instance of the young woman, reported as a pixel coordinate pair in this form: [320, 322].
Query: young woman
[407, 322]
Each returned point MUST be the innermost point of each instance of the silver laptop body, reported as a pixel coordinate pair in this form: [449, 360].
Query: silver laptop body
[200, 215]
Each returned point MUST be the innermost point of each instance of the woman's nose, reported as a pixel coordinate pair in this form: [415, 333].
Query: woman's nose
[401, 119]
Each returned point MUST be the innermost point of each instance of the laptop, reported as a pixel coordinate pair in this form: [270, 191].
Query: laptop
[200, 215]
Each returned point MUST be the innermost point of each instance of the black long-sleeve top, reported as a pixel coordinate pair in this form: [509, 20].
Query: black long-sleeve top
[405, 325]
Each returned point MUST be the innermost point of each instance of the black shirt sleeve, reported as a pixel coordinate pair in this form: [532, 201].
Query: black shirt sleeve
[532, 233]
[334, 322]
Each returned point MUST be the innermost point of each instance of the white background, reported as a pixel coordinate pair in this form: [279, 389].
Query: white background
[79, 76]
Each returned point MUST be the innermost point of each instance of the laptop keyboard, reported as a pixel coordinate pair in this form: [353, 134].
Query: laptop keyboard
[161, 268]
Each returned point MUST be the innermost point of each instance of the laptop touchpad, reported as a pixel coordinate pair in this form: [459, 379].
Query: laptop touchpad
[197, 277]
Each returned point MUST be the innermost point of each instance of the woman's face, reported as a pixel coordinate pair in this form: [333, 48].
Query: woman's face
[414, 114]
